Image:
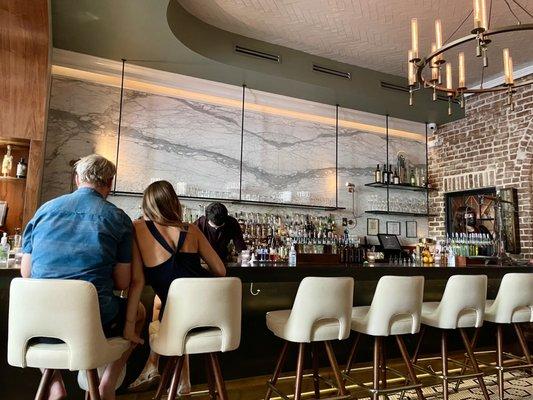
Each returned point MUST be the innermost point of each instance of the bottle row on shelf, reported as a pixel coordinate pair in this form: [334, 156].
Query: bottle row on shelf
[413, 176]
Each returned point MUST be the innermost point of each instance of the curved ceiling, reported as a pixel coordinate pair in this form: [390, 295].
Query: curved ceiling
[373, 34]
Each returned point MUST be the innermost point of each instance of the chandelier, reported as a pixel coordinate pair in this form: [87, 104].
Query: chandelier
[427, 72]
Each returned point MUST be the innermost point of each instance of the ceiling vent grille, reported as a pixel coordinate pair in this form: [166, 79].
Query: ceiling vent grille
[334, 72]
[257, 54]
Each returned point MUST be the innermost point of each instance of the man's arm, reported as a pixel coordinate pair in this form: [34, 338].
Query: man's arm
[122, 276]
[25, 266]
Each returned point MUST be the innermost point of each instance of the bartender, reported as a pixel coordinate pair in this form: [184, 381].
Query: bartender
[219, 228]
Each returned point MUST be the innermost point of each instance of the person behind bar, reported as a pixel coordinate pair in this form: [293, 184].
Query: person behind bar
[166, 248]
[83, 236]
[220, 228]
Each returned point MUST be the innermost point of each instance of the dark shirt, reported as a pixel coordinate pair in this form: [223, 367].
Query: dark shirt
[219, 238]
[80, 236]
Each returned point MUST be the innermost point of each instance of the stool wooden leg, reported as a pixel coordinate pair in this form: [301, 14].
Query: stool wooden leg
[352, 353]
[210, 378]
[93, 383]
[499, 359]
[410, 370]
[163, 384]
[421, 334]
[335, 368]
[219, 380]
[316, 378]
[277, 370]
[523, 343]
[475, 365]
[299, 371]
[473, 343]
[375, 376]
[44, 384]
[444, 359]
[383, 366]
[176, 378]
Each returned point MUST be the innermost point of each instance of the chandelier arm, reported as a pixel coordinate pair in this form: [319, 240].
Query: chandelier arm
[523, 8]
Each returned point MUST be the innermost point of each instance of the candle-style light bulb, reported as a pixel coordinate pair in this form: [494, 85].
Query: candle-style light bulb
[434, 66]
[410, 68]
[506, 66]
[511, 77]
[462, 72]
[483, 14]
[414, 37]
[438, 33]
[477, 14]
[449, 81]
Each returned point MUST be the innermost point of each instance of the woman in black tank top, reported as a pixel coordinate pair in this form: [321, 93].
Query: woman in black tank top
[165, 249]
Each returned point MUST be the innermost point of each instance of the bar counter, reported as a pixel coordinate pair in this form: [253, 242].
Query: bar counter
[267, 288]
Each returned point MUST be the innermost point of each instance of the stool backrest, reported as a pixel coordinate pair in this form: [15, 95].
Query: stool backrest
[395, 298]
[321, 299]
[515, 293]
[62, 309]
[201, 303]
[463, 302]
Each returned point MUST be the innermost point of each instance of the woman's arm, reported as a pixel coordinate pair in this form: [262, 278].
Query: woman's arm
[134, 295]
[208, 254]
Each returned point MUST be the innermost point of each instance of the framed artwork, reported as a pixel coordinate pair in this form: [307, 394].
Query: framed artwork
[372, 226]
[411, 229]
[394, 228]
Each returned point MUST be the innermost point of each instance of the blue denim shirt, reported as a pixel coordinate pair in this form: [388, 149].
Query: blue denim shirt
[80, 236]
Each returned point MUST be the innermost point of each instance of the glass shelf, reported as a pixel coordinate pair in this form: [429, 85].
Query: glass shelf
[401, 186]
[400, 213]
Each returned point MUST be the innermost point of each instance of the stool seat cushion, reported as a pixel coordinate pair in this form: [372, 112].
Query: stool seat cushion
[323, 330]
[519, 315]
[57, 356]
[398, 325]
[204, 340]
[431, 317]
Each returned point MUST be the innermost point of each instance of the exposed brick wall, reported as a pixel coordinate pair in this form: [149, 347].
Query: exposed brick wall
[491, 146]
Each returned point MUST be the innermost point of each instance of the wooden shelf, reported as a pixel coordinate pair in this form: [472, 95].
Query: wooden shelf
[12, 178]
[400, 213]
[401, 186]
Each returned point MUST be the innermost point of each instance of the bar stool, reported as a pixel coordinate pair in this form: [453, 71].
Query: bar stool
[62, 309]
[462, 306]
[513, 306]
[395, 311]
[202, 316]
[320, 313]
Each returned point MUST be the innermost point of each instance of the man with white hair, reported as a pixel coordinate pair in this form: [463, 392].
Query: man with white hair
[82, 236]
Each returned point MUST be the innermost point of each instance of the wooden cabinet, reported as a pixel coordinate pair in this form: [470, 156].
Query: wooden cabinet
[25, 70]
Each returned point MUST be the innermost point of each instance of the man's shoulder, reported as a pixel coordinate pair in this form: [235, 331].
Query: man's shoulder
[112, 211]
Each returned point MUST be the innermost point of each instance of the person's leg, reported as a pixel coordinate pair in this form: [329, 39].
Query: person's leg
[113, 371]
[57, 387]
[151, 368]
[185, 378]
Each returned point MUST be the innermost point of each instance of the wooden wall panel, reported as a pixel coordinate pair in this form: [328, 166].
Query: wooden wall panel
[34, 179]
[24, 68]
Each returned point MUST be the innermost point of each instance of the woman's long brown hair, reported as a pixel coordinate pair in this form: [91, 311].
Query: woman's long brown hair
[162, 205]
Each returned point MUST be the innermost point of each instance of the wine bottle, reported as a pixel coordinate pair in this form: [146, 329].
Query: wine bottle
[377, 175]
[396, 178]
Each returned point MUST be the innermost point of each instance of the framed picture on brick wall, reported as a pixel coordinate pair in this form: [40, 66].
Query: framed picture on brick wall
[372, 226]
[411, 229]
[394, 228]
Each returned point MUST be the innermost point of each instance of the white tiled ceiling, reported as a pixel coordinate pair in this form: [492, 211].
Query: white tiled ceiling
[369, 33]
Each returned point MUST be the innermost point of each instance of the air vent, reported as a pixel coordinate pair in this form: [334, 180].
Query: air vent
[392, 86]
[257, 54]
[334, 72]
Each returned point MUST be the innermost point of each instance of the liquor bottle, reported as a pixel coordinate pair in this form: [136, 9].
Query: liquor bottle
[395, 178]
[412, 178]
[384, 174]
[4, 251]
[21, 169]
[292, 256]
[377, 175]
[390, 175]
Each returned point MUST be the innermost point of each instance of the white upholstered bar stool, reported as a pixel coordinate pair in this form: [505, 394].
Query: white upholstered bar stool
[462, 306]
[201, 316]
[513, 306]
[62, 309]
[320, 313]
[395, 311]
